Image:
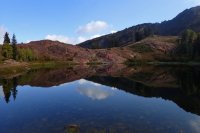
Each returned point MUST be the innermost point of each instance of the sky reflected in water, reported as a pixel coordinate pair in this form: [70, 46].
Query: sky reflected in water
[93, 107]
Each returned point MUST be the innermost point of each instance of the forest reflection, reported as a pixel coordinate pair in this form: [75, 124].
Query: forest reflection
[178, 84]
[9, 87]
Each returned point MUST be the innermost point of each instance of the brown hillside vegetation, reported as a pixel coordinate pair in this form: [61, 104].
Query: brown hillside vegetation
[148, 49]
[155, 48]
[54, 50]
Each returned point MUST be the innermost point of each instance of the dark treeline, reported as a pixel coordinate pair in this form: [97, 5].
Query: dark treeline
[11, 51]
[122, 38]
[189, 45]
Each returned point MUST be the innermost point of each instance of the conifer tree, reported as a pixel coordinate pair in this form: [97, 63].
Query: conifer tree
[7, 50]
[14, 43]
[6, 38]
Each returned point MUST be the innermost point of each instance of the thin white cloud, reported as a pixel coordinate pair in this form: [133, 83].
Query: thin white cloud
[60, 38]
[69, 40]
[66, 39]
[113, 31]
[81, 39]
[95, 36]
[2, 32]
[28, 41]
[93, 27]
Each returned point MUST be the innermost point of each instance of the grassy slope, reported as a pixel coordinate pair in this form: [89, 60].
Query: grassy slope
[156, 48]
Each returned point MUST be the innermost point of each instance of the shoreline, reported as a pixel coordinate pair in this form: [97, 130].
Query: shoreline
[13, 68]
[191, 63]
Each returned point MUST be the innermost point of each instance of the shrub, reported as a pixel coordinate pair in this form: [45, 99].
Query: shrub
[7, 51]
[142, 48]
[25, 54]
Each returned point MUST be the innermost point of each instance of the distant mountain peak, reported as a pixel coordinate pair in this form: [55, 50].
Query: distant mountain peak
[188, 19]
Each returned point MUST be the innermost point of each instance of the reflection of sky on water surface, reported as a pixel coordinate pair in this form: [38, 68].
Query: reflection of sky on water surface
[195, 124]
[92, 105]
[1, 92]
[93, 90]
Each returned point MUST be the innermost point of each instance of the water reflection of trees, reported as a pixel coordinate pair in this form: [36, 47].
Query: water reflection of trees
[178, 84]
[189, 80]
[9, 88]
[185, 92]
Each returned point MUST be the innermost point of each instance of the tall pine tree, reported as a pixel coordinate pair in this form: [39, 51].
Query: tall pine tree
[14, 43]
[6, 38]
[7, 50]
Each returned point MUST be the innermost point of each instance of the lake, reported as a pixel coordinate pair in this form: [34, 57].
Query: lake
[101, 99]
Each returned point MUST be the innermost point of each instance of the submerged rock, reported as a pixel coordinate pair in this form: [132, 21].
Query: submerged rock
[73, 128]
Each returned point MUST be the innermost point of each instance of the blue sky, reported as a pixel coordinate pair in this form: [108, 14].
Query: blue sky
[73, 21]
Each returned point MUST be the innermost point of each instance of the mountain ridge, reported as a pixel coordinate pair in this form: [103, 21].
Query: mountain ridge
[188, 19]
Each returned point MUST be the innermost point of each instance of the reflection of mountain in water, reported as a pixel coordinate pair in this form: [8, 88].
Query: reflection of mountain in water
[181, 97]
[182, 86]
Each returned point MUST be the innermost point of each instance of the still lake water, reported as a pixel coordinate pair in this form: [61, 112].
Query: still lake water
[105, 99]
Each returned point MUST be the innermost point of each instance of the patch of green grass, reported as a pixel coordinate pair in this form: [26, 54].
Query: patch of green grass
[136, 62]
[132, 62]
[141, 48]
[50, 64]
[172, 40]
[37, 65]
[95, 63]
